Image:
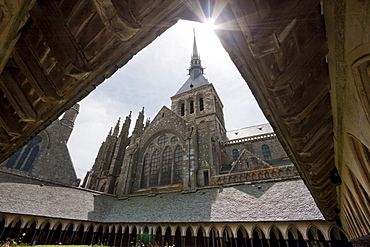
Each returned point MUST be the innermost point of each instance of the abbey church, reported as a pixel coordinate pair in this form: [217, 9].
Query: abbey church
[181, 179]
[184, 147]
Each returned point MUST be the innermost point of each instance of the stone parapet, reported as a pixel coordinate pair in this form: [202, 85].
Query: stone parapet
[256, 175]
[251, 138]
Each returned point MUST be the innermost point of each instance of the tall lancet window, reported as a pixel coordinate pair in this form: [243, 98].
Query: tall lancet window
[178, 157]
[235, 153]
[154, 169]
[266, 152]
[166, 166]
[191, 106]
[24, 157]
[145, 175]
[201, 104]
[182, 109]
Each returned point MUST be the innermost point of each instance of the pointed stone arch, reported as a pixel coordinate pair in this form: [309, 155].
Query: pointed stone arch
[89, 234]
[316, 237]
[227, 236]
[44, 230]
[56, 232]
[258, 236]
[158, 235]
[276, 236]
[177, 236]
[338, 237]
[189, 234]
[214, 236]
[200, 237]
[295, 236]
[242, 236]
[167, 235]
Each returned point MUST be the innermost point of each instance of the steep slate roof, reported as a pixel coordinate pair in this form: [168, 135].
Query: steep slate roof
[248, 132]
[197, 82]
[287, 200]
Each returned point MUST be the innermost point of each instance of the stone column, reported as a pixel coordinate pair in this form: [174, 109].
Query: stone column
[47, 236]
[129, 239]
[73, 237]
[268, 242]
[307, 242]
[60, 239]
[182, 241]
[52, 235]
[92, 239]
[251, 240]
[287, 242]
[121, 243]
[35, 234]
[245, 242]
[83, 238]
[114, 238]
[10, 231]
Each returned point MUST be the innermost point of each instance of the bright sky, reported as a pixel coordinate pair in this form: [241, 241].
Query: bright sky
[150, 78]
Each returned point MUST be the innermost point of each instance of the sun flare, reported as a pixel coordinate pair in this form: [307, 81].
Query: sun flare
[210, 24]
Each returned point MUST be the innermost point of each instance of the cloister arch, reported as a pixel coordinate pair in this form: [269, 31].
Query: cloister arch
[200, 237]
[227, 237]
[177, 238]
[258, 237]
[276, 237]
[338, 238]
[53, 231]
[189, 237]
[242, 237]
[295, 237]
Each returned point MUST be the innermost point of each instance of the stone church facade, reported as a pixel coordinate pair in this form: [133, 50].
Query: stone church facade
[183, 148]
[181, 179]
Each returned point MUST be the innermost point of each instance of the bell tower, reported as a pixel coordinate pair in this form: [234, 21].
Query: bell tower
[197, 100]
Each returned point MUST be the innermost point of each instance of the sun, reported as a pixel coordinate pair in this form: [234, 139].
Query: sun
[210, 24]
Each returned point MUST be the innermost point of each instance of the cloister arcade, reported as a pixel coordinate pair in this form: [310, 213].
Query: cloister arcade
[54, 231]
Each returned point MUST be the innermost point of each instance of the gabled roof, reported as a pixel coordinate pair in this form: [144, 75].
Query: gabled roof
[193, 83]
[248, 132]
[287, 200]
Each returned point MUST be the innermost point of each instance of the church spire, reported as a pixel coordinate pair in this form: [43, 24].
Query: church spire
[195, 49]
[196, 68]
[116, 128]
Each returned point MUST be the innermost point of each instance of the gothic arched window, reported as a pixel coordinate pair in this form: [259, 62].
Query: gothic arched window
[266, 152]
[13, 159]
[191, 106]
[24, 157]
[166, 166]
[235, 153]
[178, 156]
[154, 169]
[162, 140]
[201, 104]
[30, 159]
[145, 174]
